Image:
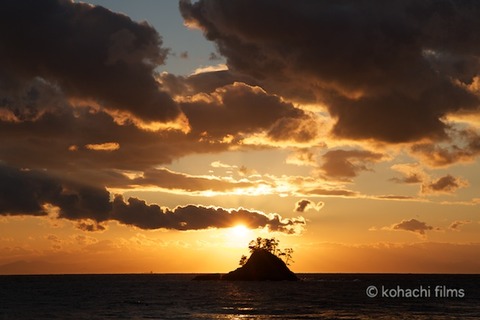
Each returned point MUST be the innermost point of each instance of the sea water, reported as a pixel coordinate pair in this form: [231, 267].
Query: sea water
[316, 296]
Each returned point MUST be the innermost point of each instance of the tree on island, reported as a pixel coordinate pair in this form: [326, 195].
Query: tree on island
[271, 246]
[243, 260]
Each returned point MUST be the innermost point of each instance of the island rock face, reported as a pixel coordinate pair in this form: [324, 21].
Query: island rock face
[261, 266]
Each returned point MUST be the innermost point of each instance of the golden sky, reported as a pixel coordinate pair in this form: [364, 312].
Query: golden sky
[163, 136]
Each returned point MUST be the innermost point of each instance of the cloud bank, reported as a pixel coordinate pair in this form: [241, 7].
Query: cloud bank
[26, 192]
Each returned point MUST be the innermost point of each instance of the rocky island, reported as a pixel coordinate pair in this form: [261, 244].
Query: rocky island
[265, 264]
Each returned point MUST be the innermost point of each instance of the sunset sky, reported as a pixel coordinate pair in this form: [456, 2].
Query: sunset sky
[163, 136]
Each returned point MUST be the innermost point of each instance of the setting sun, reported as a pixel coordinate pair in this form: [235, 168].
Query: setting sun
[240, 231]
[238, 236]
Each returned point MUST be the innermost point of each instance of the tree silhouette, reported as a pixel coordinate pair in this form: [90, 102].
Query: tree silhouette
[243, 260]
[269, 245]
[287, 256]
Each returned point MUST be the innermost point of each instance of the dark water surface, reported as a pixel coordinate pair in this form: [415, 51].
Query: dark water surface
[317, 296]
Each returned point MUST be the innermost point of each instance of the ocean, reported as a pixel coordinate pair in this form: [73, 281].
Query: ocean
[170, 296]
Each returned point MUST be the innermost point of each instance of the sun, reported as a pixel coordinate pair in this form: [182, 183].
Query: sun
[238, 235]
[240, 231]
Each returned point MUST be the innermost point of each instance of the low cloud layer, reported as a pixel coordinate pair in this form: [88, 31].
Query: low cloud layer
[137, 213]
[25, 192]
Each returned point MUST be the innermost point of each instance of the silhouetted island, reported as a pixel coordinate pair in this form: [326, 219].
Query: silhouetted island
[264, 264]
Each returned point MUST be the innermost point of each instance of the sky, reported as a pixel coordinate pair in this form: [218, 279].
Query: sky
[163, 136]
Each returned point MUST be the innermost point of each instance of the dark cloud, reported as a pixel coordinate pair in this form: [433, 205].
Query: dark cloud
[445, 184]
[90, 145]
[223, 103]
[240, 108]
[346, 164]
[204, 82]
[301, 205]
[304, 204]
[90, 226]
[412, 225]
[26, 192]
[137, 213]
[61, 138]
[87, 52]
[300, 129]
[386, 70]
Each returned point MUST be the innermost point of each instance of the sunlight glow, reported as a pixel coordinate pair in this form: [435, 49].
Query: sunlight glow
[240, 231]
[238, 236]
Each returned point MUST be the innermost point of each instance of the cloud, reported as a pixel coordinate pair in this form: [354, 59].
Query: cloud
[413, 173]
[302, 157]
[395, 197]
[413, 178]
[203, 80]
[207, 79]
[167, 179]
[242, 109]
[329, 192]
[137, 213]
[412, 225]
[387, 71]
[209, 69]
[456, 225]
[346, 164]
[446, 184]
[26, 192]
[445, 155]
[107, 146]
[214, 57]
[64, 133]
[219, 164]
[90, 225]
[85, 52]
[304, 205]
